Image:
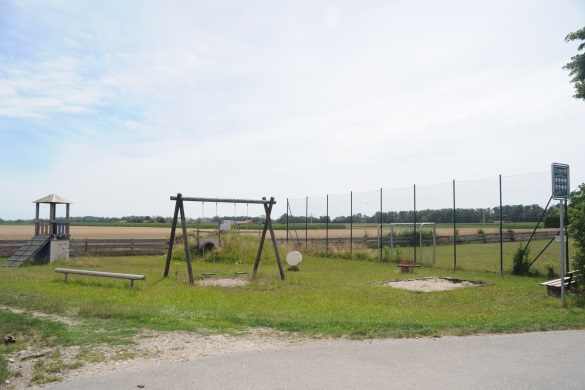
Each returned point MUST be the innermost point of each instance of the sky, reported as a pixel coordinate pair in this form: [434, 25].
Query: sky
[118, 105]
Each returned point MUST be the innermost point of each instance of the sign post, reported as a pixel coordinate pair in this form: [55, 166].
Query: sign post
[561, 189]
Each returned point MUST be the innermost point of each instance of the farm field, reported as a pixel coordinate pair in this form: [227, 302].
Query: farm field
[23, 232]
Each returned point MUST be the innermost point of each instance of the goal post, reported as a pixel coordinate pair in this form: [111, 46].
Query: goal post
[399, 235]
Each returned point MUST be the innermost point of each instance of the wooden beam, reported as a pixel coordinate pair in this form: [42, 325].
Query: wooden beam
[268, 210]
[186, 242]
[172, 239]
[223, 200]
[268, 226]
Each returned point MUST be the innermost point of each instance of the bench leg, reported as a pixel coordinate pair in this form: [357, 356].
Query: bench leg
[66, 278]
[132, 283]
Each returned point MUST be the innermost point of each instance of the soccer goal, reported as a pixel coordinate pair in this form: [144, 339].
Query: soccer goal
[420, 239]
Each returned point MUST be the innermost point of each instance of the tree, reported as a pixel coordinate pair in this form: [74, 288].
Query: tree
[577, 231]
[576, 67]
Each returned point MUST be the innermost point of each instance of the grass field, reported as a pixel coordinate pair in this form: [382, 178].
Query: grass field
[334, 297]
[328, 296]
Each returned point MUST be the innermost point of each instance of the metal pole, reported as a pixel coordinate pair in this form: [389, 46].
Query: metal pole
[327, 226]
[568, 268]
[501, 231]
[351, 222]
[454, 230]
[381, 223]
[306, 222]
[414, 242]
[562, 235]
[287, 208]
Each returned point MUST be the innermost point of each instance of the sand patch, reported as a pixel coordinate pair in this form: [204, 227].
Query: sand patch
[223, 282]
[431, 284]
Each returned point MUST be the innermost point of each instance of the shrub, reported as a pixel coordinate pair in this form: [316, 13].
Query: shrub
[577, 230]
[511, 234]
[550, 271]
[553, 219]
[386, 254]
[521, 262]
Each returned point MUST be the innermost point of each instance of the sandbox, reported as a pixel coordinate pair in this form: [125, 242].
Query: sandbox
[431, 284]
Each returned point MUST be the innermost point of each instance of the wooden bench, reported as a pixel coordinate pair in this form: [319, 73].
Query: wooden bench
[407, 266]
[553, 287]
[130, 277]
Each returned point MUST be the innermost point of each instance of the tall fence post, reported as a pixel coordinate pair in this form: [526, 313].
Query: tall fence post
[414, 225]
[351, 223]
[501, 231]
[306, 222]
[562, 246]
[454, 229]
[566, 237]
[327, 226]
[380, 230]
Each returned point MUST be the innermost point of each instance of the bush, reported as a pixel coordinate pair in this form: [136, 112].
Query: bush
[577, 230]
[552, 222]
[511, 234]
[521, 262]
[386, 254]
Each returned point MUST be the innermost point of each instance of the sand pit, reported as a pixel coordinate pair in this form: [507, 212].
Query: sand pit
[223, 282]
[431, 284]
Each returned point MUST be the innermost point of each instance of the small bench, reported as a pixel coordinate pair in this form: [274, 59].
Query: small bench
[407, 266]
[553, 287]
[130, 277]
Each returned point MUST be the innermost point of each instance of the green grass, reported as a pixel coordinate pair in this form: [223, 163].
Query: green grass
[329, 296]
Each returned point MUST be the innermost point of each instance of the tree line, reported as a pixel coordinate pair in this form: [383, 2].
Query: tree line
[139, 219]
[510, 213]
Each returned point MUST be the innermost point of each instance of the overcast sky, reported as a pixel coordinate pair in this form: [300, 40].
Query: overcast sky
[117, 105]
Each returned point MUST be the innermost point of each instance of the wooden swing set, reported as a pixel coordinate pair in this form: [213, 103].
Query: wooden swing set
[179, 208]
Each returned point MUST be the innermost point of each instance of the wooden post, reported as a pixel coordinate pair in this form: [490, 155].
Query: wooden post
[37, 222]
[260, 246]
[186, 243]
[268, 225]
[172, 239]
[67, 218]
[268, 210]
[52, 216]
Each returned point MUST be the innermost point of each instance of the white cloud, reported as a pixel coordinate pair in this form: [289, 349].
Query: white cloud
[142, 100]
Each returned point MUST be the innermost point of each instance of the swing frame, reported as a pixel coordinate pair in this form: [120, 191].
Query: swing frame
[179, 208]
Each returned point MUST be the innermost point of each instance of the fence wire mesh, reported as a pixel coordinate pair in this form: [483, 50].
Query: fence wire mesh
[472, 225]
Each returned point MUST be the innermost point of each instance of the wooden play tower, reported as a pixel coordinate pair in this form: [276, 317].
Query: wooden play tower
[51, 240]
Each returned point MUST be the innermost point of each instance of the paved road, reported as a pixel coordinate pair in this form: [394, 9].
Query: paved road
[550, 360]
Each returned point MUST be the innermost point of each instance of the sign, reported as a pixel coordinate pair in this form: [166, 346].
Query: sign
[561, 188]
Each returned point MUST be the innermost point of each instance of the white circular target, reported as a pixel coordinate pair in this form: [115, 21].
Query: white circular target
[294, 258]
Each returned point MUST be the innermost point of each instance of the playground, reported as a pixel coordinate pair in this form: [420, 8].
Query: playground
[326, 298]
[239, 287]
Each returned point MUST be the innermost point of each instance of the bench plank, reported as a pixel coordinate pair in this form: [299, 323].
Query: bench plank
[131, 277]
